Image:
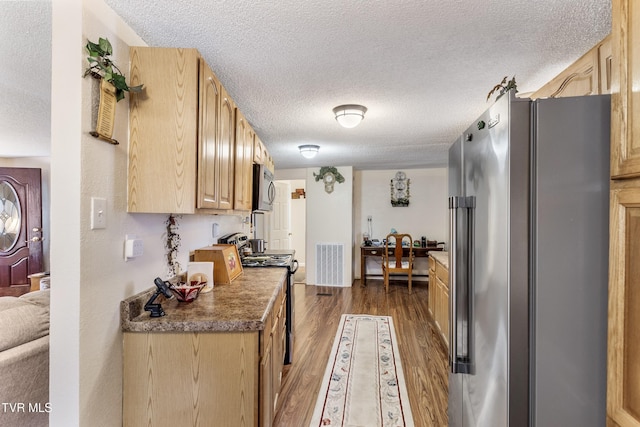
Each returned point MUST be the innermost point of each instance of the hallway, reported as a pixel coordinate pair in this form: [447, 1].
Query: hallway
[317, 314]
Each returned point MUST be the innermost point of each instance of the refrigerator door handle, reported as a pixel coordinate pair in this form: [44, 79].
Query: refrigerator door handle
[461, 220]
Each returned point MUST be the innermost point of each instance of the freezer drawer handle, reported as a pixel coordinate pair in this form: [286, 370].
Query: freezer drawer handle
[461, 228]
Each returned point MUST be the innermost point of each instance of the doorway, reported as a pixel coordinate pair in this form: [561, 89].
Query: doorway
[21, 251]
[294, 197]
[280, 224]
[299, 219]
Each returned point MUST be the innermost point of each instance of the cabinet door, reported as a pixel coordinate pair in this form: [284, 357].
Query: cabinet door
[605, 59]
[208, 161]
[190, 379]
[432, 293]
[580, 78]
[444, 315]
[163, 130]
[226, 150]
[439, 302]
[258, 150]
[623, 364]
[445, 293]
[276, 364]
[625, 101]
[432, 288]
[243, 163]
[266, 385]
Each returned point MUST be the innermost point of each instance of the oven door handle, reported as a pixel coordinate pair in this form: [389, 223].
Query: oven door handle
[294, 264]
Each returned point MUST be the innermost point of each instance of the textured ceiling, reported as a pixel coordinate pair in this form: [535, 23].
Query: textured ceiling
[25, 78]
[422, 68]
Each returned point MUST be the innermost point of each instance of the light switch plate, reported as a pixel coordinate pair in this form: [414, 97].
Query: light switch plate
[98, 213]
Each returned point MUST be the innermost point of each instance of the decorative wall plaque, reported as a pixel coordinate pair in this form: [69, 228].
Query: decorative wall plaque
[400, 190]
[329, 176]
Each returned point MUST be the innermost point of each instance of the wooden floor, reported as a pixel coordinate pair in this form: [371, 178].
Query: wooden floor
[317, 314]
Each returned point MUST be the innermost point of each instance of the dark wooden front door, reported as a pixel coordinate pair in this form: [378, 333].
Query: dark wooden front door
[20, 229]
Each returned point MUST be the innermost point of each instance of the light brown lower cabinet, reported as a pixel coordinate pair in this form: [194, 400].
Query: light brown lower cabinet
[266, 385]
[442, 278]
[439, 295]
[432, 286]
[204, 378]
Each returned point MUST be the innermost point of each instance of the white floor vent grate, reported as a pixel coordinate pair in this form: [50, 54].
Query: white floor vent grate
[330, 264]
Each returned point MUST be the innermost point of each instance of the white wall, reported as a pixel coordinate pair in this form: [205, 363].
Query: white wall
[329, 220]
[290, 174]
[426, 215]
[89, 274]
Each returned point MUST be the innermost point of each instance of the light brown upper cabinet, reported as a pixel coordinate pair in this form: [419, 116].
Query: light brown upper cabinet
[214, 144]
[163, 126]
[258, 150]
[244, 163]
[625, 102]
[181, 145]
[226, 151]
[605, 64]
[623, 363]
[589, 75]
[261, 155]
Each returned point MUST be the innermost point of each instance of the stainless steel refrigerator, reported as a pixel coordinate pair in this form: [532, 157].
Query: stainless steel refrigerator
[529, 218]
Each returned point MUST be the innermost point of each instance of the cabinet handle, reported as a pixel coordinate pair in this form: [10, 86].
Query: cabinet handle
[215, 87]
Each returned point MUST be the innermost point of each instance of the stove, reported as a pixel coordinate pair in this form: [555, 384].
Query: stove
[268, 260]
[279, 258]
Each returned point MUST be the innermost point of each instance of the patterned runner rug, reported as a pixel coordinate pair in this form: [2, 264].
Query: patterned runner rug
[363, 385]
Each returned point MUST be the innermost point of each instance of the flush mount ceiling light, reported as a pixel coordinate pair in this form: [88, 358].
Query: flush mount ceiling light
[308, 151]
[349, 116]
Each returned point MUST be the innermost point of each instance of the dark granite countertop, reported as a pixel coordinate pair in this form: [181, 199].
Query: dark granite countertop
[242, 305]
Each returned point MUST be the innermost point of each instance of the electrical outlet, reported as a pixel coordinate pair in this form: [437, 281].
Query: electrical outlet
[133, 247]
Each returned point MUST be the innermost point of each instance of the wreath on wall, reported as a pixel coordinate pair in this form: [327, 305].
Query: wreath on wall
[329, 175]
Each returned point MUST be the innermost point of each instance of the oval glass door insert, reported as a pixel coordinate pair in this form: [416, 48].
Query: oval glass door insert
[10, 216]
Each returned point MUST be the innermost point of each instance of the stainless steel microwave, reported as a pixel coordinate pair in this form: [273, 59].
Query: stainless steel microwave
[264, 191]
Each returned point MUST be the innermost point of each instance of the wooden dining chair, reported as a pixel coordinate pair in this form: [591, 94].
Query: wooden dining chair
[393, 261]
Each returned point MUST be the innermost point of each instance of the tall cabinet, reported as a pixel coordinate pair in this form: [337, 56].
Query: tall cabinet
[623, 366]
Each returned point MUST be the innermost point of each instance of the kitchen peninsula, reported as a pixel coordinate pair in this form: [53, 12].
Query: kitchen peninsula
[215, 361]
